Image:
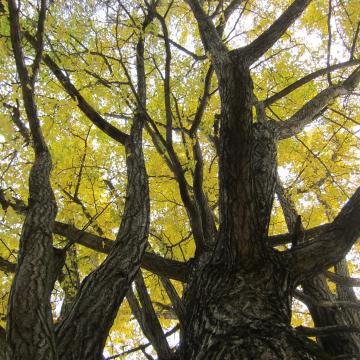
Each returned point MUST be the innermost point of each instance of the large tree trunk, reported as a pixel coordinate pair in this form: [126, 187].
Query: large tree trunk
[239, 304]
[242, 313]
[30, 333]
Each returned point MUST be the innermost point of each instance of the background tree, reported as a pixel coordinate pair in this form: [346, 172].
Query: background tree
[221, 156]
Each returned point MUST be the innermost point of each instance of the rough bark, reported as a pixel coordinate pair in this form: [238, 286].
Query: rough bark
[238, 301]
[30, 334]
[241, 313]
[238, 298]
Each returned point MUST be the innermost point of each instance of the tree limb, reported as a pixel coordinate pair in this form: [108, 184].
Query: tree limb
[313, 107]
[309, 300]
[326, 330]
[342, 280]
[149, 321]
[211, 40]
[292, 87]
[155, 263]
[329, 246]
[83, 105]
[15, 117]
[269, 37]
[174, 298]
[7, 266]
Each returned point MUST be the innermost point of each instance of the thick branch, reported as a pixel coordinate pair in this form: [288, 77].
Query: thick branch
[268, 38]
[342, 280]
[152, 262]
[326, 330]
[167, 89]
[309, 300]
[7, 266]
[207, 216]
[155, 263]
[209, 35]
[174, 298]
[27, 84]
[312, 108]
[269, 101]
[149, 321]
[203, 102]
[31, 333]
[329, 247]
[83, 105]
[15, 117]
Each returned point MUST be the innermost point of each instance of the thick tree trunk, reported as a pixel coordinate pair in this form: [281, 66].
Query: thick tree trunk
[242, 313]
[238, 305]
[31, 333]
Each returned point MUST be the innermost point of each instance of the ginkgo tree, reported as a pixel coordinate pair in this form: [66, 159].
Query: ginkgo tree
[184, 167]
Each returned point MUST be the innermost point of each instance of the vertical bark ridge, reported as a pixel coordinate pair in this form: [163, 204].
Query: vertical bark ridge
[241, 314]
[30, 333]
[237, 225]
[247, 163]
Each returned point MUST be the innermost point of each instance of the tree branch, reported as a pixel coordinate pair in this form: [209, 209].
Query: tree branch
[292, 87]
[309, 300]
[269, 37]
[312, 108]
[326, 330]
[167, 89]
[328, 247]
[34, 278]
[155, 263]
[211, 40]
[203, 102]
[27, 82]
[83, 105]
[342, 280]
[15, 117]
[174, 298]
[149, 321]
[7, 266]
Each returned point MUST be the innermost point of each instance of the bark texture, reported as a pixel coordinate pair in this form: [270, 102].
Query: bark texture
[239, 313]
[237, 304]
[30, 333]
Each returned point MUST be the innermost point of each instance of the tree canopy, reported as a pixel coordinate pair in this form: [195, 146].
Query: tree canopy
[104, 87]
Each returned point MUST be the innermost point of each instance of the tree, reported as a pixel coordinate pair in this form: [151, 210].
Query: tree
[203, 143]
